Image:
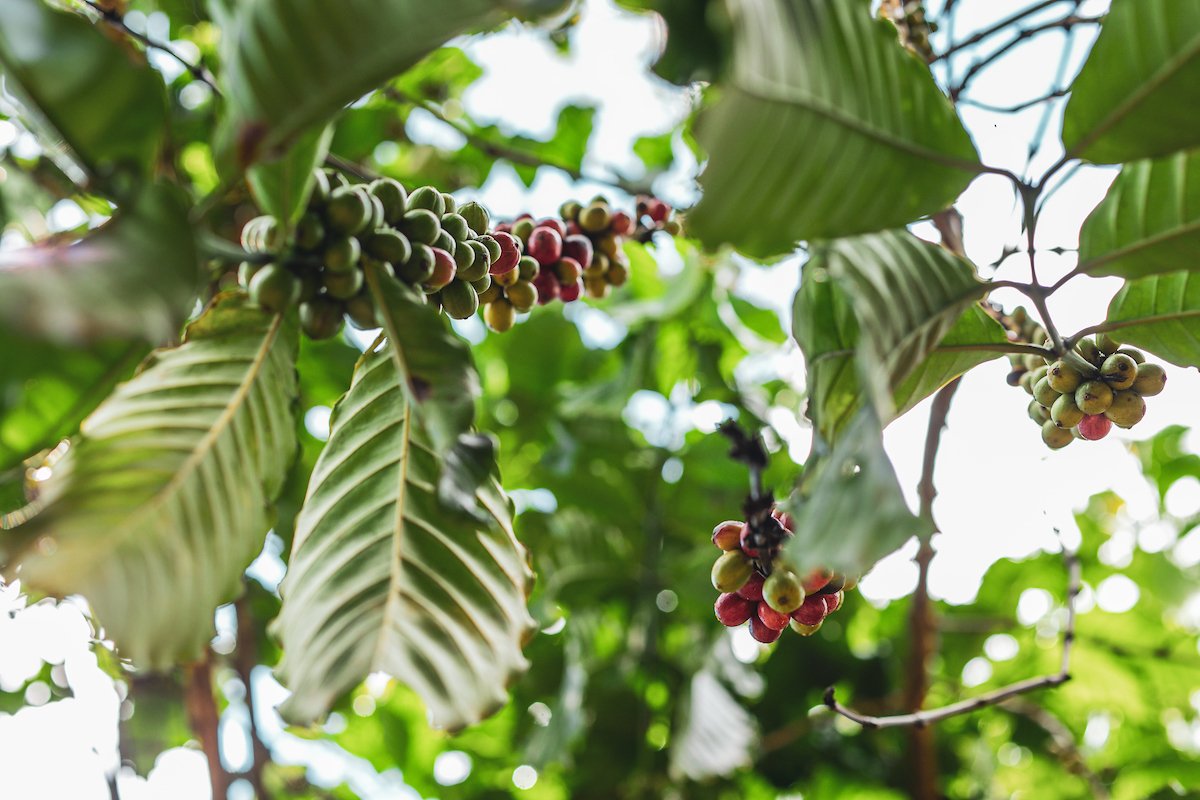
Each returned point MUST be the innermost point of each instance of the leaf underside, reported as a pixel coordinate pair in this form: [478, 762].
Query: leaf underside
[1160, 314]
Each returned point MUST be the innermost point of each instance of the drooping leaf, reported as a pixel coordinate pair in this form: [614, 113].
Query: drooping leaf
[1160, 314]
[1149, 222]
[909, 297]
[433, 365]
[828, 127]
[1139, 90]
[100, 98]
[165, 496]
[289, 65]
[849, 511]
[565, 149]
[386, 577]
[135, 276]
[716, 734]
[763, 321]
[282, 186]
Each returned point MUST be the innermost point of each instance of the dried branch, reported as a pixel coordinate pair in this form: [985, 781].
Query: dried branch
[114, 18]
[922, 718]
[205, 720]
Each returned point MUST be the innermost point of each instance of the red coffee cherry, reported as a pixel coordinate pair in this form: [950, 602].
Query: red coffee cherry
[1095, 426]
[763, 633]
[753, 588]
[771, 618]
[733, 610]
[811, 611]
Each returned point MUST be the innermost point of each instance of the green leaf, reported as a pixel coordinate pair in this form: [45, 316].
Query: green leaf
[828, 127]
[565, 149]
[135, 276]
[1139, 90]
[1149, 222]
[385, 577]
[763, 321]
[432, 363]
[281, 187]
[101, 98]
[290, 65]
[849, 511]
[165, 496]
[907, 296]
[1160, 314]
[716, 735]
[656, 152]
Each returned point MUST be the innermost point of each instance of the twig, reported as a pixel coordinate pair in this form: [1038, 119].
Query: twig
[1063, 740]
[205, 720]
[334, 161]
[1065, 24]
[1013, 109]
[979, 36]
[114, 18]
[922, 718]
[244, 659]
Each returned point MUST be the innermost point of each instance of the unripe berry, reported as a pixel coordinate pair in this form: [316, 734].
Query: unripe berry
[342, 285]
[476, 216]
[499, 315]
[617, 274]
[597, 288]
[510, 254]
[507, 278]
[446, 242]
[341, 254]
[492, 245]
[1064, 412]
[1044, 393]
[772, 618]
[811, 611]
[310, 232]
[731, 570]
[419, 266]
[523, 228]
[1087, 348]
[393, 197]
[420, 225]
[360, 311]
[320, 190]
[523, 295]
[1127, 408]
[387, 245]
[672, 227]
[545, 245]
[732, 610]
[579, 248]
[348, 211]
[460, 300]
[782, 592]
[805, 630]
[451, 203]
[1056, 437]
[321, 317]
[1063, 377]
[569, 292]
[595, 218]
[728, 534]
[456, 226]
[375, 220]
[428, 198]
[1038, 412]
[569, 210]
[567, 270]
[763, 633]
[1093, 397]
[274, 287]
[1134, 353]
[488, 292]
[1151, 379]
[1032, 361]
[479, 266]
[851, 583]
[816, 580]
[444, 269]
[528, 268]
[1095, 426]
[1107, 344]
[464, 260]
[753, 588]
[1119, 371]
[1025, 381]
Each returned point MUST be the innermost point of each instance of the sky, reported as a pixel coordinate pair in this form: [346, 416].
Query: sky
[1001, 492]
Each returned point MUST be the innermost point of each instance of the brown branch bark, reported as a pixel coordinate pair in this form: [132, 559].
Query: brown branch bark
[205, 720]
[244, 659]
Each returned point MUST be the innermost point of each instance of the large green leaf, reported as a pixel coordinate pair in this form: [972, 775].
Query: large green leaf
[165, 496]
[135, 276]
[849, 511]
[1138, 94]
[911, 298]
[827, 127]
[386, 577]
[290, 65]
[1149, 222]
[1161, 314]
[101, 98]
[282, 186]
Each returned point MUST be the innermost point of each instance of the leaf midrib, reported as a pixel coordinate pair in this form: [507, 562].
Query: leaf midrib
[394, 582]
[1168, 235]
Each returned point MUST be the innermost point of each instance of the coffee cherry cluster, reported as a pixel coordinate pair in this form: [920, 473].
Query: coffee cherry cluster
[424, 239]
[758, 585]
[1098, 385]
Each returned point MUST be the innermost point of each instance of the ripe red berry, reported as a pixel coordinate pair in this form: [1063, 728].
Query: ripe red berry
[747, 547]
[444, 269]
[816, 580]
[622, 224]
[510, 253]
[832, 602]
[785, 520]
[579, 248]
[753, 588]
[545, 245]
[556, 224]
[728, 534]
[1095, 426]
[657, 210]
[548, 287]
[771, 618]
[733, 609]
[811, 611]
[570, 291]
[502, 227]
[762, 633]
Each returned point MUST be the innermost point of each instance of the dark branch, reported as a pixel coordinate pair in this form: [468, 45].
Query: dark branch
[114, 18]
[1065, 24]
[205, 719]
[244, 659]
[1013, 109]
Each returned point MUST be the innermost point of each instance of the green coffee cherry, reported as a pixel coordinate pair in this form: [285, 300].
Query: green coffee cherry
[429, 199]
[522, 228]
[1038, 412]
[1087, 348]
[1025, 381]
[321, 317]
[1063, 377]
[451, 205]
[479, 264]
[275, 288]
[341, 254]
[464, 258]
[395, 200]
[569, 210]
[310, 232]
[488, 293]
[493, 247]
[1065, 413]
[343, 285]
[310, 285]
[459, 299]
[456, 226]
[476, 217]
[336, 180]
[1151, 379]
[1107, 344]
[482, 284]
[500, 316]
[320, 190]
[418, 268]
[522, 295]
[1133, 353]
[1093, 397]
[421, 225]
[360, 311]
[246, 272]
[347, 210]
[595, 218]
[1119, 371]
[1044, 393]
[1028, 361]
[731, 571]
[1127, 409]
[446, 242]
[618, 274]
[376, 219]
[782, 591]
[263, 235]
[527, 268]
[1056, 437]
[388, 245]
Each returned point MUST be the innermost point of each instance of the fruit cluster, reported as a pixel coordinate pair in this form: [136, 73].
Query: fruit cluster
[1097, 385]
[759, 585]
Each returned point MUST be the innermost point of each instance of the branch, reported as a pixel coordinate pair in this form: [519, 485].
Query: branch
[114, 18]
[205, 719]
[979, 36]
[1065, 24]
[1013, 109]
[922, 718]
[244, 659]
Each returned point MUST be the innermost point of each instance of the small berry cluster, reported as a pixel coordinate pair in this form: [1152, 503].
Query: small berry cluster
[422, 238]
[1082, 395]
[758, 585]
